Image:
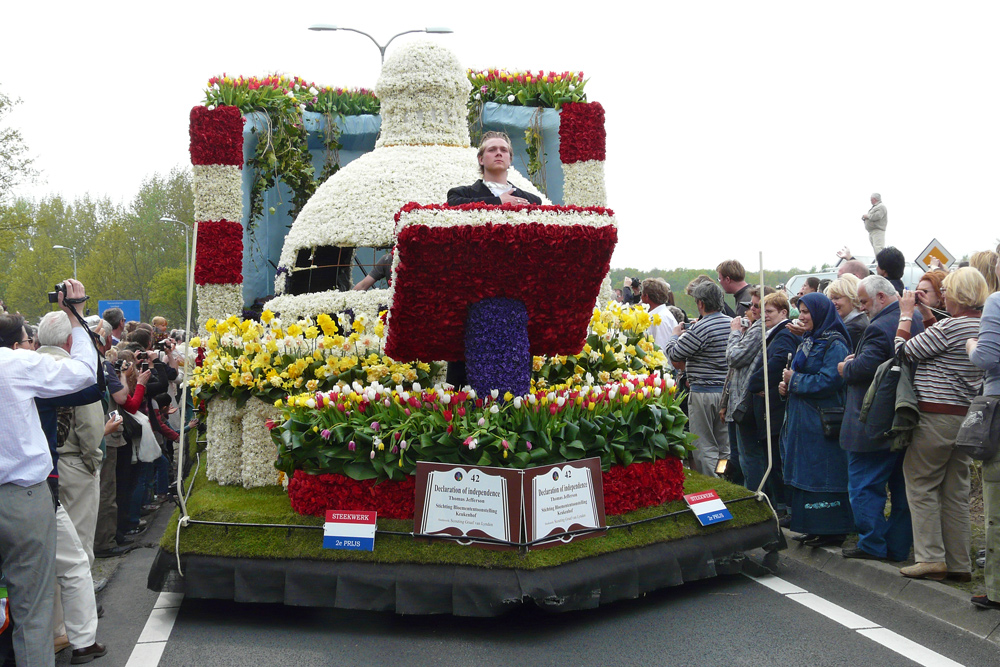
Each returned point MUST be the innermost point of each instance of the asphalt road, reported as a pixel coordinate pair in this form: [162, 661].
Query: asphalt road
[724, 621]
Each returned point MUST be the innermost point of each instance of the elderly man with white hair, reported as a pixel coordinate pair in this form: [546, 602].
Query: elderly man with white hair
[876, 220]
[79, 442]
[872, 466]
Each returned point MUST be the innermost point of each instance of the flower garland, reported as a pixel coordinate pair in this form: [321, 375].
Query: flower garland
[529, 262]
[259, 453]
[216, 136]
[356, 207]
[626, 488]
[541, 89]
[218, 192]
[224, 432]
[375, 432]
[270, 359]
[219, 257]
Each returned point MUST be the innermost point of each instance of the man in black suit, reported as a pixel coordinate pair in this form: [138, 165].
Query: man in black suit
[495, 155]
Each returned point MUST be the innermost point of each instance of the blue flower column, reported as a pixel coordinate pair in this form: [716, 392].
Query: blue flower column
[497, 350]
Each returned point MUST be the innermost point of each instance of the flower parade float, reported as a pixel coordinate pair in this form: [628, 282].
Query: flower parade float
[329, 399]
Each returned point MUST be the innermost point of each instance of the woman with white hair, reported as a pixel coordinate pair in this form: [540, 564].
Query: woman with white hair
[843, 292]
[936, 473]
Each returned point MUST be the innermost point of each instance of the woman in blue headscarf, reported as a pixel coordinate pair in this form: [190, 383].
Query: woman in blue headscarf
[815, 467]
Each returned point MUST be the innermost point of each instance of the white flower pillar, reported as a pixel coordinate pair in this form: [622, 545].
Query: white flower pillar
[217, 156]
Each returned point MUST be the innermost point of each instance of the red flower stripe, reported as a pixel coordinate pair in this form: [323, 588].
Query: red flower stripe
[555, 270]
[219, 259]
[217, 136]
[626, 488]
[581, 132]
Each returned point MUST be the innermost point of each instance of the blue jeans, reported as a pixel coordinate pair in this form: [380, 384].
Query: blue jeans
[735, 467]
[162, 467]
[142, 475]
[753, 458]
[869, 475]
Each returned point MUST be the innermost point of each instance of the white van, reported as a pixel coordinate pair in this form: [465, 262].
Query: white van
[911, 276]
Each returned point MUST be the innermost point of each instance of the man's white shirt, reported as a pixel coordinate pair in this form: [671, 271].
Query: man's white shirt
[663, 331]
[25, 459]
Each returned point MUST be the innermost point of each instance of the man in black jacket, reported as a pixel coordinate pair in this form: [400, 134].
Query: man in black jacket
[495, 156]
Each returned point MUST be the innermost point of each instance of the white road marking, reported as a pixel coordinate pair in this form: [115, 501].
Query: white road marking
[153, 639]
[910, 649]
[895, 642]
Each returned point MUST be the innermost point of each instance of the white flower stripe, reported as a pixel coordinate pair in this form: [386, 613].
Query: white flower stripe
[293, 307]
[224, 432]
[456, 217]
[218, 192]
[583, 184]
[218, 302]
[258, 452]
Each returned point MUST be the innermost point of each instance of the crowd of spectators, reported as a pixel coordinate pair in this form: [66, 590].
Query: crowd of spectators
[98, 422]
[832, 455]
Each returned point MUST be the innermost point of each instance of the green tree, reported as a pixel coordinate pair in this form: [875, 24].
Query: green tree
[15, 164]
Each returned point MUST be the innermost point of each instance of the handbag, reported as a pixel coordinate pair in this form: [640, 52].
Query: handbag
[830, 419]
[979, 435]
[147, 450]
[132, 428]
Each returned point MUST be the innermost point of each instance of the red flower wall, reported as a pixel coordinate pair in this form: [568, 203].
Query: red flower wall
[216, 136]
[581, 132]
[219, 259]
[626, 488]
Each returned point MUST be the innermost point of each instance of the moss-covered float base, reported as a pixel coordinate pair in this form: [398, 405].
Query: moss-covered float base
[408, 577]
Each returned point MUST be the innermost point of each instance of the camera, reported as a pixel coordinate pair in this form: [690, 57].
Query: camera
[119, 365]
[161, 344]
[745, 323]
[143, 367]
[54, 296]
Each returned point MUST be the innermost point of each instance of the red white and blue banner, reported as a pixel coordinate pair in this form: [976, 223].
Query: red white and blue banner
[708, 507]
[353, 530]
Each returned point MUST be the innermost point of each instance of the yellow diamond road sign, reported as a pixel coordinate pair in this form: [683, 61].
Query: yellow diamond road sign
[935, 251]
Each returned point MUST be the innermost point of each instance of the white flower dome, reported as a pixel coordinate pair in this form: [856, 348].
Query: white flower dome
[422, 152]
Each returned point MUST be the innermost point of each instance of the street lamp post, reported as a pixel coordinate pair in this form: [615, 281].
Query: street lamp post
[324, 27]
[72, 250]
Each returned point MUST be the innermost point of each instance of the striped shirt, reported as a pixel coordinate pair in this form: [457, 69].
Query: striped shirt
[703, 348]
[945, 377]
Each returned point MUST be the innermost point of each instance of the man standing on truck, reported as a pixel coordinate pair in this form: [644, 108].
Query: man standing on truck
[876, 220]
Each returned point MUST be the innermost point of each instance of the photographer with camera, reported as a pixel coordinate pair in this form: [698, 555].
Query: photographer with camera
[27, 519]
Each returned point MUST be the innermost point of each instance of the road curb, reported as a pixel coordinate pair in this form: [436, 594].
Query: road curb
[930, 597]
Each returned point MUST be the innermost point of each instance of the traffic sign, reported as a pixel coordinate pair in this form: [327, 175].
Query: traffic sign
[935, 251]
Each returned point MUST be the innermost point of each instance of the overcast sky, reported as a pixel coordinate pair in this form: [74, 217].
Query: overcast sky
[733, 127]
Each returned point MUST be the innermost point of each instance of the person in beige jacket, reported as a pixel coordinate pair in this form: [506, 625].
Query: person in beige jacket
[876, 220]
[80, 454]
